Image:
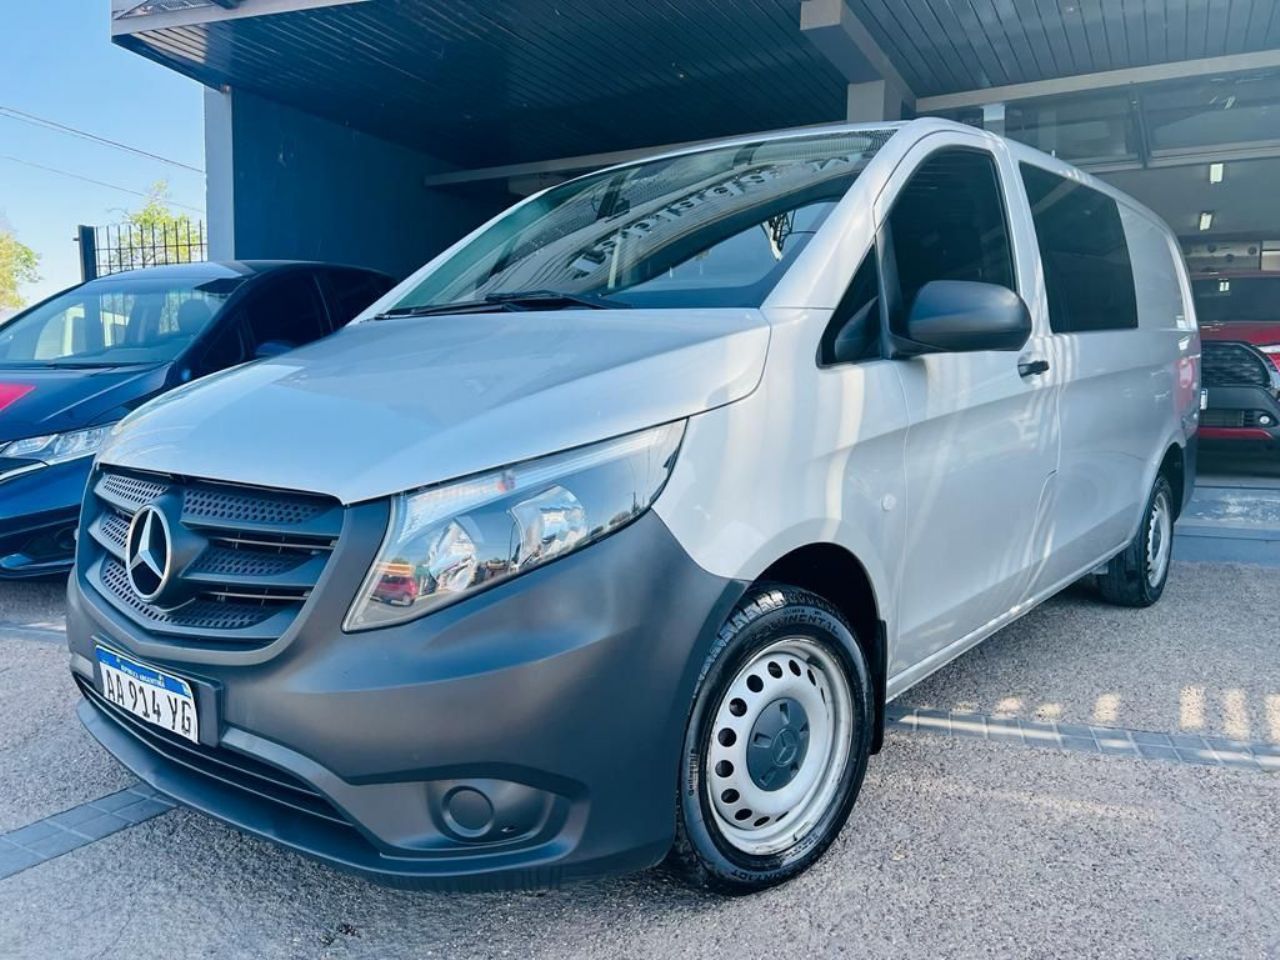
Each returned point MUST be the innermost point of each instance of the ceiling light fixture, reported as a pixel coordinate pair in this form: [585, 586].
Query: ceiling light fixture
[1206, 220]
[1216, 172]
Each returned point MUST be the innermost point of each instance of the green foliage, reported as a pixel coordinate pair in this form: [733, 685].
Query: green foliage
[153, 235]
[18, 264]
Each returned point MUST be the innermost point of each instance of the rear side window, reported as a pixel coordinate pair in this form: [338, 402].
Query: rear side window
[350, 291]
[1087, 270]
[948, 223]
[287, 311]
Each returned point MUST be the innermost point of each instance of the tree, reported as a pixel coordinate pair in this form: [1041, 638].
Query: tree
[152, 235]
[18, 264]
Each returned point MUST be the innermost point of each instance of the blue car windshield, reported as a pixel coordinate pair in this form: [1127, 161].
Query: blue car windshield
[711, 228]
[114, 322]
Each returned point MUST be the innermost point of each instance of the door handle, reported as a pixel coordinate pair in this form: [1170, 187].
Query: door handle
[1029, 368]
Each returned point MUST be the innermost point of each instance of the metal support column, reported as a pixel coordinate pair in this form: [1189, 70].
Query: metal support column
[87, 237]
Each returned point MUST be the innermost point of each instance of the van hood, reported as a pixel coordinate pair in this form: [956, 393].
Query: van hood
[389, 405]
[35, 401]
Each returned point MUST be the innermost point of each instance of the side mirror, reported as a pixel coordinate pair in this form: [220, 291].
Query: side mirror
[272, 348]
[961, 316]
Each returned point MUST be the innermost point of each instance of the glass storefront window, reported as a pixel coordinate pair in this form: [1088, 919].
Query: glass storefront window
[1213, 113]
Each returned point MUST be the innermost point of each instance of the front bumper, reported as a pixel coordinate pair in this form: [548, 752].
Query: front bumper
[1233, 413]
[38, 516]
[525, 737]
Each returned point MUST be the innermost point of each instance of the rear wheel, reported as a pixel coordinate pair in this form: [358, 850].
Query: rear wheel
[1136, 577]
[776, 746]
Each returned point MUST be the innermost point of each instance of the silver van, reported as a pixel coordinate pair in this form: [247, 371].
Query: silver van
[607, 536]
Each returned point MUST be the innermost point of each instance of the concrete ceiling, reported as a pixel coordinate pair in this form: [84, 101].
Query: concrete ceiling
[489, 82]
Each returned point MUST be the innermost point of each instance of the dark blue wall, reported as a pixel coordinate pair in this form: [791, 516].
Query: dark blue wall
[306, 188]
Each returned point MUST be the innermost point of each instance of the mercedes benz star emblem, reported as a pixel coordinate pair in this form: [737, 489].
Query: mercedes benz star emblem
[148, 553]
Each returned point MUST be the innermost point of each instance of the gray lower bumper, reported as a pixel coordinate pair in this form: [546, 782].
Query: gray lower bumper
[524, 737]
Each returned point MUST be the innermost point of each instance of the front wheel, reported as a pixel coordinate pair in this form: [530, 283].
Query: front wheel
[776, 746]
[1136, 577]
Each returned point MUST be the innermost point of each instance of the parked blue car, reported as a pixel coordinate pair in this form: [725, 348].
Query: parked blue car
[73, 365]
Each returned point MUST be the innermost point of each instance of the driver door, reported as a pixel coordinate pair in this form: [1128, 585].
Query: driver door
[982, 437]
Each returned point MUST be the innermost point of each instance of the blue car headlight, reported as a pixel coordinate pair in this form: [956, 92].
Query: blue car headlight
[56, 447]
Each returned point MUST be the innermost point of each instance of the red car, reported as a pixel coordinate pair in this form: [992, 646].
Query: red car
[396, 588]
[1240, 366]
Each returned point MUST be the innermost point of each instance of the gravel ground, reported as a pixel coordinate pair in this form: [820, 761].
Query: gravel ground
[47, 761]
[32, 607]
[957, 848]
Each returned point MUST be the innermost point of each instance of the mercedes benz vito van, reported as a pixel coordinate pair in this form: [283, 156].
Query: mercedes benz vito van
[694, 464]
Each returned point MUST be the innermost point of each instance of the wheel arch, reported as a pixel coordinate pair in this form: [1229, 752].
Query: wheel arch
[839, 577]
[1173, 467]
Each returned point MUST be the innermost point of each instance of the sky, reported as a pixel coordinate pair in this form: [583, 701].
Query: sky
[57, 62]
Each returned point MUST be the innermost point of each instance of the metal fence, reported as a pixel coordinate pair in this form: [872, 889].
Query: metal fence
[118, 247]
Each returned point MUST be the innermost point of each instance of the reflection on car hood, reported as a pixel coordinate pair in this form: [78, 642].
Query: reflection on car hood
[390, 405]
[38, 400]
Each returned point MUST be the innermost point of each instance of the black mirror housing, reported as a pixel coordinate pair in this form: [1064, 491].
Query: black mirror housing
[962, 316]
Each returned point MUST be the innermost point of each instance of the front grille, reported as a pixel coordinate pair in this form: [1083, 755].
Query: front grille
[219, 763]
[260, 554]
[114, 527]
[130, 492]
[207, 505]
[234, 563]
[1217, 417]
[1230, 364]
[1222, 418]
[196, 615]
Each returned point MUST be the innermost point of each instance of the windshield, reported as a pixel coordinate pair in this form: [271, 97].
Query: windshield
[715, 228]
[1238, 299]
[135, 320]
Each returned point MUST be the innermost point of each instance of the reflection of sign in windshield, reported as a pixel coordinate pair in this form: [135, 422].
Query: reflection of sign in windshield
[674, 219]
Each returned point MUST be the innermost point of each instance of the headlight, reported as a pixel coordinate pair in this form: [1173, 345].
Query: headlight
[58, 447]
[447, 541]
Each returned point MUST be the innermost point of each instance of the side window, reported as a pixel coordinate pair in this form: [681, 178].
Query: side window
[350, 291]
[854, 331]
[287, 310]
[1087, 270]
[1160, 296]
[948, 223]
[226, 349]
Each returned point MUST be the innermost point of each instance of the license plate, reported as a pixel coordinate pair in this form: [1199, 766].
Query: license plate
[145, 692]
[1204, 399]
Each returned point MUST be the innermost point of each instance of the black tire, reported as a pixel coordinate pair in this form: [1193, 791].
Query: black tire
[702, 854]
[1127, 580]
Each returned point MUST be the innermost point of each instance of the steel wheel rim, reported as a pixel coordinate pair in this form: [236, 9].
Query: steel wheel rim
[1159, 540]
[801, 671]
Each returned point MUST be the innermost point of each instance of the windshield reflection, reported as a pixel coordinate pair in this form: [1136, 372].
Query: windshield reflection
[716, 227]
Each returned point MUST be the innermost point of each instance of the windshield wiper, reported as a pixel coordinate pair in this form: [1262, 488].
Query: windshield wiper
[435, 309]
[551, 299]
[519, 300]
